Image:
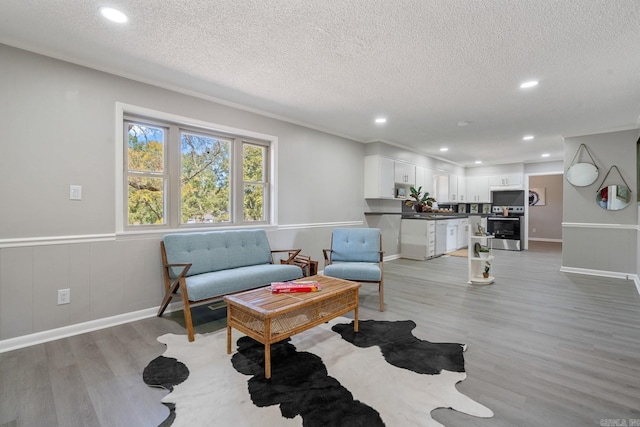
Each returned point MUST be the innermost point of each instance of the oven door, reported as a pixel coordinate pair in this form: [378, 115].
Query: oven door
[504, 227]
[507, 231]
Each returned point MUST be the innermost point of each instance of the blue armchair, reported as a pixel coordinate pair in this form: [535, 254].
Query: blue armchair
[356, 254]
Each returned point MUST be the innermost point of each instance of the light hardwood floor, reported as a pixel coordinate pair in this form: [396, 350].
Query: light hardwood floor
[544, 349]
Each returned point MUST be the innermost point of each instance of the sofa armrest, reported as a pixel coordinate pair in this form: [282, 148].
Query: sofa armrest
[292, 254]
[185, 269]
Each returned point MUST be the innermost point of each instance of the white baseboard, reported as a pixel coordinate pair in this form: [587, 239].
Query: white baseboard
[80, 328]
[604, 273]
[391, 257]
[542, 239]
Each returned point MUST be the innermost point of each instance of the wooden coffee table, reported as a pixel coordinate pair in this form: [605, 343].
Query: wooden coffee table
[269, 318]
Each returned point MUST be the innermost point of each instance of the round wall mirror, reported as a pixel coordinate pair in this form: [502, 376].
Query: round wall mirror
[613, 197]
[582, 174]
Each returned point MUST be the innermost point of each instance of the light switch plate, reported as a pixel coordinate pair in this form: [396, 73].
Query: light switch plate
[75, 192]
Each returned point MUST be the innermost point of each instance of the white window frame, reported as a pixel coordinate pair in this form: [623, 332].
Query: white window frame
[124, 110]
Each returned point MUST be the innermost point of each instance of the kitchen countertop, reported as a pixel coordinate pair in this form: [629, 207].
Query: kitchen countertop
[429, 215]
[436, 216]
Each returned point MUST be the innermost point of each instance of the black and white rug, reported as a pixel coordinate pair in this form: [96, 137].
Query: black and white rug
[327, 376]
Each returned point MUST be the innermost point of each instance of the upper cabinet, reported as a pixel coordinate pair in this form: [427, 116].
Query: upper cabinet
[405, 173]
[450, 189]
[462, 189]
[478, 189]
[379, 178]
[513, 180]
[424, 179]
[441, 192]
[385, 178]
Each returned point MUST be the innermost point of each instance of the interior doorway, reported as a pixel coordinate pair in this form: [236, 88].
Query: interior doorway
[543, 212]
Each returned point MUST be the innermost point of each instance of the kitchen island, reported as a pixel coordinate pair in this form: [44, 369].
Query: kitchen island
[426, 235]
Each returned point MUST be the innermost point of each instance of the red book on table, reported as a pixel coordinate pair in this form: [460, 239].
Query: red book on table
[290, 287]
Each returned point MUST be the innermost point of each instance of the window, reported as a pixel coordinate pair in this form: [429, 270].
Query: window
[255, 184]
[181, 175]
[146, 176]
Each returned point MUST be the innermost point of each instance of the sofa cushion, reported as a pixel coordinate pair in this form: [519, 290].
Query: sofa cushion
[356, 271]
[223, 282]
[217, 250]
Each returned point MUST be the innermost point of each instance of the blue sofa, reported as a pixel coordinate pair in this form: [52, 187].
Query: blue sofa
[206, 266]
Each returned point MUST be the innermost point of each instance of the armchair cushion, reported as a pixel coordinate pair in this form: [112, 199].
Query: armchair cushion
[356, 245]
[356, 254]
[356, 271]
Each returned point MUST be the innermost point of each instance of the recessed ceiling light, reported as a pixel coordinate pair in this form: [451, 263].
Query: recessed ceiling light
[527, 85]
[545, 155]
[113, 15]
[527, 138]
[463, 123]
[381, 120]
[478, 162]
[444, 149]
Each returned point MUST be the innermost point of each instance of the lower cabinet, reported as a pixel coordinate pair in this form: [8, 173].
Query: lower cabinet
[417, 239]
[423, 239]
[463, 233]
[452, 235]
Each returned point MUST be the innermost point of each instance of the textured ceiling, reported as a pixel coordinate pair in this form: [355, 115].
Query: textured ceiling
[334, 65]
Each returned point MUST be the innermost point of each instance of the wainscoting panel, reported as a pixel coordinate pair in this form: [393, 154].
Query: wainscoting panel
[606, 247]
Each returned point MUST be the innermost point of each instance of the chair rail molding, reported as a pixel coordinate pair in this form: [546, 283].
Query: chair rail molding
[55, 240]
[600, 225]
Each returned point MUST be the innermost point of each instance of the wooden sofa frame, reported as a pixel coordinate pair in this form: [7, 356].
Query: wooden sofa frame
[172, 286]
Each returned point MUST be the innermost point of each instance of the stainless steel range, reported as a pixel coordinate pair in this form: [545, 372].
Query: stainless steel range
[507, 225]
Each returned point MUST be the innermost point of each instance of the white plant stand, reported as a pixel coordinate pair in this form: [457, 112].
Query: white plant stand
[476, 264]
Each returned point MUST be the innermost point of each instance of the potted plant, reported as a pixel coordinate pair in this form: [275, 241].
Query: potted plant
[483, 252]
[487, 267]
[421, 201]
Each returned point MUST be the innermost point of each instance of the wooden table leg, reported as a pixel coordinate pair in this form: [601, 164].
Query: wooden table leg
[267, 361]
[355, 313]
[228, 329]
[267, 348]
[355, 319]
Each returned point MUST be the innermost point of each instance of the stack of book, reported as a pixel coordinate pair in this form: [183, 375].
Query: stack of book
[295, 286]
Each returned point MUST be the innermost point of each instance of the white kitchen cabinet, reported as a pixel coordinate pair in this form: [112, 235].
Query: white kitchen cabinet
[441, 237]
[379, 177]
[442, 188]
[463, 233]
[417, 239]
[424, 179]
[404, 173]
[450, 188]
[462, 189]
[453, 188]
[452, 235]
[478, 189]
[513, 180]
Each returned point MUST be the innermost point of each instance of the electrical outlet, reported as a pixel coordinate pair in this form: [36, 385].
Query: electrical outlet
[64, 296]
[75, 192]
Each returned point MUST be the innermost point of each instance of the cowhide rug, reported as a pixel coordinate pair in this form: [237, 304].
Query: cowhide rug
[326, 376]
